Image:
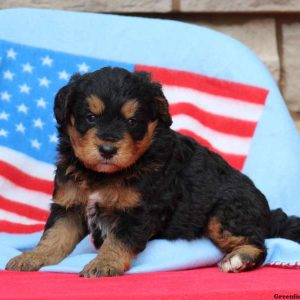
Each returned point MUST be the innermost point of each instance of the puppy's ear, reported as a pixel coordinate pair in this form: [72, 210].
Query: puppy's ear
[62, 100]
[163, 110]
[159, 105]
[61, 104]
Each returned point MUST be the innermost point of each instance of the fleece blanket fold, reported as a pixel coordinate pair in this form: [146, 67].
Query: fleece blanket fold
[219, 93]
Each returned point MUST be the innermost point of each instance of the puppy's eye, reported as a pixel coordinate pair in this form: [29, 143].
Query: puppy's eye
[131, 122]
[90, 118]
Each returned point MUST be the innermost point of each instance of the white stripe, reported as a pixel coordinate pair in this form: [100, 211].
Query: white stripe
[15, 218]
[27, 164]
[16, 193]
[223, 106]
[226, 143]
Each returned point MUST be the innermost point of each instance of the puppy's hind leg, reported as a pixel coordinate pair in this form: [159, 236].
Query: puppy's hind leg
[64, 229]
[242, 253]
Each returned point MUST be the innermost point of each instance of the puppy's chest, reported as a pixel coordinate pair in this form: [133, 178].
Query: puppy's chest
[102, 200]
[101, 220]
[108, 194]
[106, 202]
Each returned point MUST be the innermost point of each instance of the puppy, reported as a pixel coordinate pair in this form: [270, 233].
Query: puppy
[125, 177]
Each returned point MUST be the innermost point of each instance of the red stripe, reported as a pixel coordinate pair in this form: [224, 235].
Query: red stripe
[206, 84]
[236, 161]
[23, 209]
[10, 227]
[24, 180]
[215, 122]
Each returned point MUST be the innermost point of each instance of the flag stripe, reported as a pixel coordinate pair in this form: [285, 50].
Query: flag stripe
[27, 164]
[215, 122]
[224, 143]
[12, 227]
[206, 84]
[217, 105]
[24, 209]
[24, 180]
[16, 193]
[237, 161]
[12, 217]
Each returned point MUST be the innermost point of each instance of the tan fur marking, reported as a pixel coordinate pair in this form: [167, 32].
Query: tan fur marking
[61, 239]
[72, 120]
[144, 144]
[71, 194]
[86, 146]
[115, 195]
[129, 108]
[126, 151]
[55, 244]
[225, 240]
[70, 169]
[96, 105]
[229, 243]
[249, 250]
[114, 259]
[129, 151]
[114, 252]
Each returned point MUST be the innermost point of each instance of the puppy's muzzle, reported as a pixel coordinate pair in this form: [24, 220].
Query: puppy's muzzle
[107, 151]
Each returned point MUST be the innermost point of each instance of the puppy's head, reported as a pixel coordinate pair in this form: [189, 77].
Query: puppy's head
[110, 117]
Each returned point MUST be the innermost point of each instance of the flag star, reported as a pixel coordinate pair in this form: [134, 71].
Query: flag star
[20, 128]
[4, 116]
[47, 61]
[24, 88]
[63, 75]
[38, 123]
[5, 96]
[22, 108]
[27, 68]
[53, 138]
[35, 144]
[44, 82]
[41, 103]
[8, 75]
[11, 53]
[3, 133]
[83, 67]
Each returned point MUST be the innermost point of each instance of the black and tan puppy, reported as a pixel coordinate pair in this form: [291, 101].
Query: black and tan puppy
[125, 177]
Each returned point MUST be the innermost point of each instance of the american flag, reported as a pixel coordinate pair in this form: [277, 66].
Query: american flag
[219, 114]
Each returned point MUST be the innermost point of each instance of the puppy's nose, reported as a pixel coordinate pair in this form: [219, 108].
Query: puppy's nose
[107, 150]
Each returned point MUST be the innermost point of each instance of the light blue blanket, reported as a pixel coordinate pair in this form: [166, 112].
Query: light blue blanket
[159, 255]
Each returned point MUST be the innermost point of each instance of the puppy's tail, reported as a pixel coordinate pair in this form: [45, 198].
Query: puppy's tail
[284, 226]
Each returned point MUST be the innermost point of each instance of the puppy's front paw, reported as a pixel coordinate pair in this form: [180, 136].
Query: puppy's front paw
[27, 261]
[97, 269]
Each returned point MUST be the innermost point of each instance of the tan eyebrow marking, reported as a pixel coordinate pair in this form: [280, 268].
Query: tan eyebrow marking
[129, 108]
[96, 105]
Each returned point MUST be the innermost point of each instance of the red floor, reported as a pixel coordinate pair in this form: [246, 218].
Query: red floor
[205, 283]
